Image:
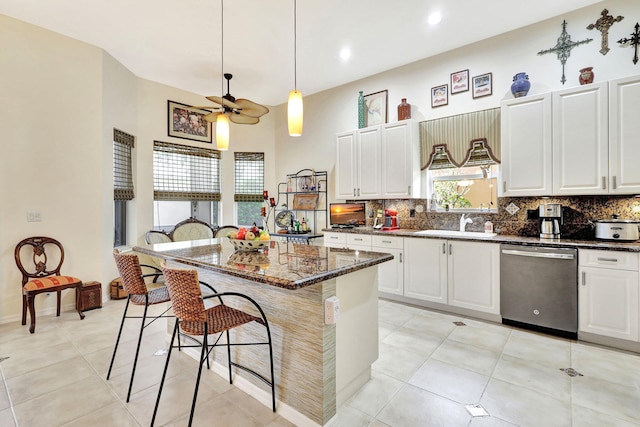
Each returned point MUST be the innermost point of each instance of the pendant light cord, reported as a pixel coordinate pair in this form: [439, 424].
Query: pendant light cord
[222, 55]
[295, 44]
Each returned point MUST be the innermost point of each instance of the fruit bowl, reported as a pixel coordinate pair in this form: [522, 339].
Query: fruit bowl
[249, 245]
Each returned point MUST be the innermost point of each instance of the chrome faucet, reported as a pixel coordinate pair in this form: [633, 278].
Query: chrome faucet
[463, 223]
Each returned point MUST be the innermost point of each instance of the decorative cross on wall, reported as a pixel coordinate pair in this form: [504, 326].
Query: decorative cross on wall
[603, 24]
[633, 41]
[563, 48]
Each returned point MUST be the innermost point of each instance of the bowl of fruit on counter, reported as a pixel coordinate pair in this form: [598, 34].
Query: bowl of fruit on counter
[249, 239]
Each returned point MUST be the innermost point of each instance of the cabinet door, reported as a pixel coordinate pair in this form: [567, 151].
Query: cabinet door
[390, 273]
[397, 159]
[368, 160]
[608, 302]
[346, 165]
[526, 146]
[474, 276]
[425, 269]
[624, 128]
[581, 140]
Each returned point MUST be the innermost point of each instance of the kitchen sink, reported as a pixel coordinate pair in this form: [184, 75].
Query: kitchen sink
[454, 233]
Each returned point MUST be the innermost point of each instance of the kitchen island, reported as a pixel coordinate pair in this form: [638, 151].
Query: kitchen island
[317, 366]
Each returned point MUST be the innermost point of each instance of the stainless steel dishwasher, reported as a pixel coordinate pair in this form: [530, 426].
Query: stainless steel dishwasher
[539, 288]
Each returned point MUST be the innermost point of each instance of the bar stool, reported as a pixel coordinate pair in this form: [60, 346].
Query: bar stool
[193, 319]
[133, 282]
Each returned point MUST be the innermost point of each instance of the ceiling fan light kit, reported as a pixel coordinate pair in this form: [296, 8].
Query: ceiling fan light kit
[295, 104]
[222, 132]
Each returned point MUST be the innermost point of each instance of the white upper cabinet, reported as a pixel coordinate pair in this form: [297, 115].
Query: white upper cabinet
[378, 162]
[577, 141]
[526, 146]
[580, 140]
[624, 132]
[400, 158]
[346, 166]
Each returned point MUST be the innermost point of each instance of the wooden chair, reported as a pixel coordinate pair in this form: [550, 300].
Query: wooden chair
[191, 229]
[38, 278]
[134, 284]
[194, 319]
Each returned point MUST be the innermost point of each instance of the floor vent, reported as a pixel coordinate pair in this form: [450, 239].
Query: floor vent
[476, 410]
[571, 372]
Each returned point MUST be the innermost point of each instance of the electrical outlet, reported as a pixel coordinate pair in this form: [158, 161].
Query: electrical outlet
[331, 310]
[34, 216]
[412, 213]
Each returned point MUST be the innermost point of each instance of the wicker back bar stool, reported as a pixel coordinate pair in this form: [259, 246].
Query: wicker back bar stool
[134, 284]
[193, 320]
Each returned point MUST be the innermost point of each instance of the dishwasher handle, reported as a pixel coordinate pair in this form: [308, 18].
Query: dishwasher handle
[538, 254]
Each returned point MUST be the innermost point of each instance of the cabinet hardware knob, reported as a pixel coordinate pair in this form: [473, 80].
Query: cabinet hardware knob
[608, 259]
[614, 184]
[504, 186]
[444, 246]
[450, 248]
[400, 257]
[584, 278]
[604, 182]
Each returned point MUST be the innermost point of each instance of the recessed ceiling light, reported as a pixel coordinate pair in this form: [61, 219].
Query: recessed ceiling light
[345, 53]
[434, 18]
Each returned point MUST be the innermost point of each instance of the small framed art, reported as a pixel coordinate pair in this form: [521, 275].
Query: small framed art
[439, 96]
[376, 108]
[188, 122]
[459, 81]
[482, 85]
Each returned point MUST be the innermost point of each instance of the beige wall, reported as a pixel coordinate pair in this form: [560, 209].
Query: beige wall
[335, 110]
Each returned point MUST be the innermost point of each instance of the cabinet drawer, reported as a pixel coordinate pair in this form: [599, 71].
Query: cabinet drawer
[608, 259]
[387, 242]
[333, 239]
[358, 239]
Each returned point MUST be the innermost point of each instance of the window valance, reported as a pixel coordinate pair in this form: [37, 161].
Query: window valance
[456, 137]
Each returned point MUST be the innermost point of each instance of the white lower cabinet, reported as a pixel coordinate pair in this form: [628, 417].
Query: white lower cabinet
[390, 273]
[425, 269]
[454, 272]
[608, 298]
[474, 276]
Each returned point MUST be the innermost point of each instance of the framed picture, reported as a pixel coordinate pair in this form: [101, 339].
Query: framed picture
[459, 81]
[305, 202]
[439, 96]
[482, 85]
[188, 122]
[376, 108]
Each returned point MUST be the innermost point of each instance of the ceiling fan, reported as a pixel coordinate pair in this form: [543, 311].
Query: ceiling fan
[240, 111]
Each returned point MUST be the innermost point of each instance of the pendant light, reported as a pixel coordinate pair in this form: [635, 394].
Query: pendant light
[295, 106]
[222, 121]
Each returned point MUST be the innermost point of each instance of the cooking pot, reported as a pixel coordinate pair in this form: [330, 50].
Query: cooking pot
[624, 230]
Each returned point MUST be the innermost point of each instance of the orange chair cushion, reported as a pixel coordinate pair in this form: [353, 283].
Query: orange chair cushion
[50, 282]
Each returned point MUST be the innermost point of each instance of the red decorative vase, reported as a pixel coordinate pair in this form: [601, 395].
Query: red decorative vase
[404, 110]
[586, 75]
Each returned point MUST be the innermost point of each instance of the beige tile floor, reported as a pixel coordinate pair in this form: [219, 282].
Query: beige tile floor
[428, 370]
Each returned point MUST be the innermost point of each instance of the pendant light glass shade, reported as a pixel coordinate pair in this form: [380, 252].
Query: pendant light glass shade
[222, 132]
[295, 113]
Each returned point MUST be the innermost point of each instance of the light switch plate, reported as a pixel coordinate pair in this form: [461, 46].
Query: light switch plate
[34, 216]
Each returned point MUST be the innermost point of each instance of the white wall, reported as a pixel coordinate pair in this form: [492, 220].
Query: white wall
[335, 110]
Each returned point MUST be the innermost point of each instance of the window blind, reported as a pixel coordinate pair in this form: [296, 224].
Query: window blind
[186, 173]
[249, 177]
[122, 171]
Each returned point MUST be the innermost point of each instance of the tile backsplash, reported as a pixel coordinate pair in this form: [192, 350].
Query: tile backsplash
[579, 212]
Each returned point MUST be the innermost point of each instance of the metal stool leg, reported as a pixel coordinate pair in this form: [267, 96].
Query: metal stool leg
[164, 373]
[115, 349]
[135, 360]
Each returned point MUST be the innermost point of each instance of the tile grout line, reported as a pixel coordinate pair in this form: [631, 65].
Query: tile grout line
[4, 383]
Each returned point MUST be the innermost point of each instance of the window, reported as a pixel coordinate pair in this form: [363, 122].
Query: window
[186, 183]
[122, 184]
[466, 188]
[249, 185]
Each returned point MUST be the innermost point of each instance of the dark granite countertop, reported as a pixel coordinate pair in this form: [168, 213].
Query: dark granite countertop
[283, 264]
[500, 238]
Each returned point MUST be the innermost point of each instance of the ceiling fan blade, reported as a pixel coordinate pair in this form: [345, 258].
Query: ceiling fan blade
[252, 109]
[212, 117]
[242, 119]
[218, 100]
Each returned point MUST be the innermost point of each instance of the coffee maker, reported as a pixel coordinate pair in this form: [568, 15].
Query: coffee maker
[550, 220]
[390, 219]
